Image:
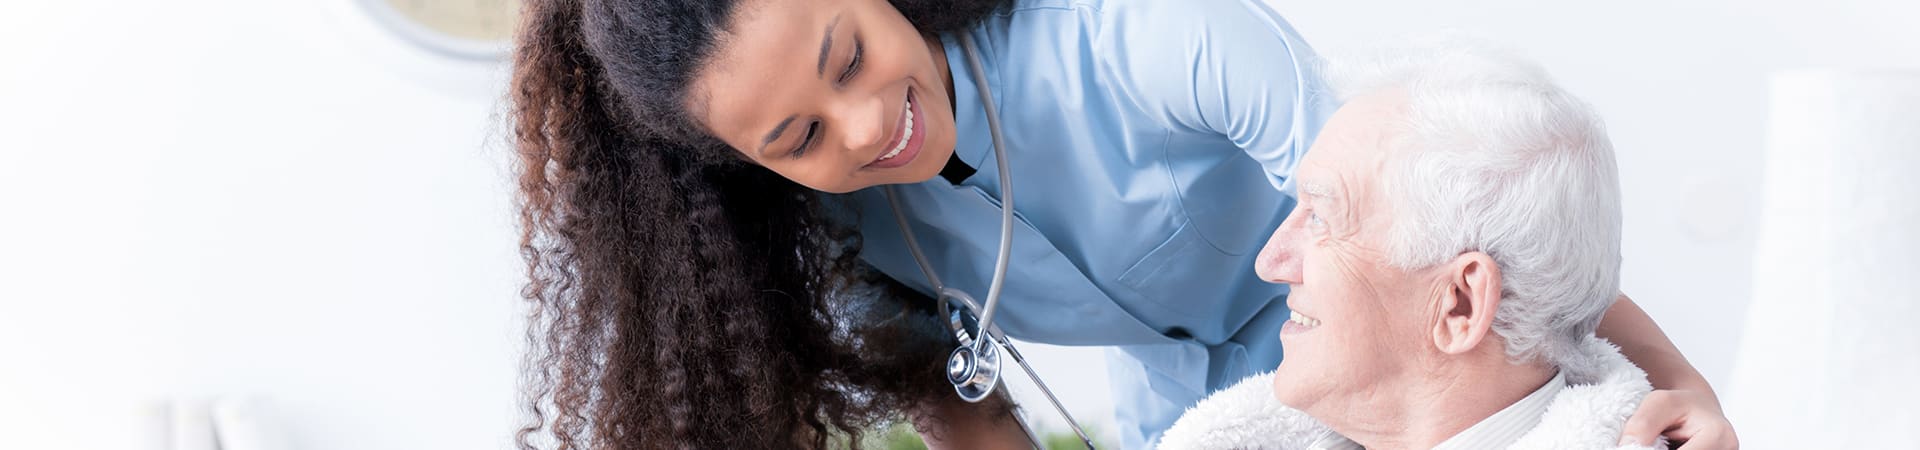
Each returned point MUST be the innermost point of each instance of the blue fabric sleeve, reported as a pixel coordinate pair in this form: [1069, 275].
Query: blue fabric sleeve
[1231, 67]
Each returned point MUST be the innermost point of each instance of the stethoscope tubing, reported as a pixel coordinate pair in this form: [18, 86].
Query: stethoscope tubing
[985, 330]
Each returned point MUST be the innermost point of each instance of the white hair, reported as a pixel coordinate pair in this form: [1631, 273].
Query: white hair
[1491, 156]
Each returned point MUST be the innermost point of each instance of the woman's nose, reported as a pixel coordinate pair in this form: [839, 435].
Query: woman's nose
[1279, 260]
[864, 123]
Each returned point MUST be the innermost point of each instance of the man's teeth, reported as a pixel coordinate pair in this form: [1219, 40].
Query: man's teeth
[905, 136]
[1303, 319]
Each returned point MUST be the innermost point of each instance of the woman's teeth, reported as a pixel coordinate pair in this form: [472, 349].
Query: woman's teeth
[1303, 320]
[905, 136]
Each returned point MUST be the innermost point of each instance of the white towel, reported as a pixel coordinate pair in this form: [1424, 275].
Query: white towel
[1602, 392]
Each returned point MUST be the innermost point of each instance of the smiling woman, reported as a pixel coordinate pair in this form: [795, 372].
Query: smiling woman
[685, 297]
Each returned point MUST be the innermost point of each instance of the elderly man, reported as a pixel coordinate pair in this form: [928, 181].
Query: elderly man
[1456, 244]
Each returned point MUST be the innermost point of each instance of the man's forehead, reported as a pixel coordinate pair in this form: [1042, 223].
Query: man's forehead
[1366, 120]
[1351, 149]
[1362, 130]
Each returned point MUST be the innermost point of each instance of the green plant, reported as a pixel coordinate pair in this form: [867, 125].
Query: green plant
[900, 436]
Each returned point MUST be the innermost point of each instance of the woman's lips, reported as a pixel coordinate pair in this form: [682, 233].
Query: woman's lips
[910, 134]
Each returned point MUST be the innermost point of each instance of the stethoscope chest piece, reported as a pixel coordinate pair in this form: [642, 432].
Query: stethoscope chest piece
[974, 370]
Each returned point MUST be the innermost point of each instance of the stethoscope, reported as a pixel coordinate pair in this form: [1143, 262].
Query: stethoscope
[974, 367]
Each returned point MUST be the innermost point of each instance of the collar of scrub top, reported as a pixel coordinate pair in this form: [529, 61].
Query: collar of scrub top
[970, 100]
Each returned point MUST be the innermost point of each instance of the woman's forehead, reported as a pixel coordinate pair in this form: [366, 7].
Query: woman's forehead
[772, 47]
[770, 38]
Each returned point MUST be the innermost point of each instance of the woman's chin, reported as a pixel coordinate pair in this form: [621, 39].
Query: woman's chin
[928, 165]
[913, 177]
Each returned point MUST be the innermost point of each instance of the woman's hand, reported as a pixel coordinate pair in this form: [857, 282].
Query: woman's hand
[1690, 417]
[1682, 406]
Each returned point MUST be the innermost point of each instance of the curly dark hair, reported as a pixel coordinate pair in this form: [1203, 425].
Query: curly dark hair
[681, 297]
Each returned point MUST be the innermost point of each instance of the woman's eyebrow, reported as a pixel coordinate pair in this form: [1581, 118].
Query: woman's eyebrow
[826, 46]
[772, 135]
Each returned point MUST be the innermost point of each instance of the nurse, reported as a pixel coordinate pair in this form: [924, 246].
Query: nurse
[714, 264]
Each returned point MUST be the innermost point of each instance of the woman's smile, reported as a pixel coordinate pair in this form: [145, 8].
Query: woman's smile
[907, 137]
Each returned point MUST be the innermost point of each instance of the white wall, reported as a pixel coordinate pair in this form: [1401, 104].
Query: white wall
[214, 197]
[230, 197]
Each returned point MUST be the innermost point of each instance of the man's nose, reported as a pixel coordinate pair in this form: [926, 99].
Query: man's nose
[863, 123]
[1279, 261]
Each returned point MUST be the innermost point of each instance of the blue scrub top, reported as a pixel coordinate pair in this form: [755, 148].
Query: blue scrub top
[1152, 144]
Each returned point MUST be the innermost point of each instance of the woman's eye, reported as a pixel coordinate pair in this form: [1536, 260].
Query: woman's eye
[853, 64]
[1313, 219]
[806, 141]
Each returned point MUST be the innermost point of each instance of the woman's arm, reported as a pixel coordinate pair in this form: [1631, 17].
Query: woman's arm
[1629, 327]
[1230, 67]
[1683, 406]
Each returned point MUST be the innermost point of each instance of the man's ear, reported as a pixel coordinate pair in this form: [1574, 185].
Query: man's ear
[1471, 297]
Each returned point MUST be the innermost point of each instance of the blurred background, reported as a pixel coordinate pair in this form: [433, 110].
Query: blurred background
[299, 212]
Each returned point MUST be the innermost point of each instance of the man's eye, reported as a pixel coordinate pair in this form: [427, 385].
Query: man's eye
[1313, 219]
[853, 64]
[805, 141]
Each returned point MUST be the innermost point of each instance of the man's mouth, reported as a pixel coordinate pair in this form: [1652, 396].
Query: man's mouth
[1303, 320]
[1298, 323]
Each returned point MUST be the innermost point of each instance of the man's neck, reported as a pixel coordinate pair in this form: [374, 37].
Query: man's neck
[1432, 402]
